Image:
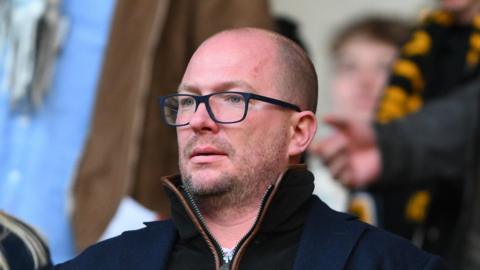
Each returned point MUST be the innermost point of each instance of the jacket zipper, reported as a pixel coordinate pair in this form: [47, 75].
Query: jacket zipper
[227, 265]
[234, 261]
[198, 214]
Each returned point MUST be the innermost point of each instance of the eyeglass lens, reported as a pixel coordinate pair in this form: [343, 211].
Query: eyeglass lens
[226, 107]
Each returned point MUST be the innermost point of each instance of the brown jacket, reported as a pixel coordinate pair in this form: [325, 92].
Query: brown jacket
[128, 149]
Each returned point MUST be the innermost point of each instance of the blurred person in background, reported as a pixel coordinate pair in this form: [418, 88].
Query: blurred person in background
[363, 52]
[448, 146]
[21, 247]
[441, 56]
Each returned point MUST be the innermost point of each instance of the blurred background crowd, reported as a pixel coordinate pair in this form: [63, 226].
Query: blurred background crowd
[82, 146]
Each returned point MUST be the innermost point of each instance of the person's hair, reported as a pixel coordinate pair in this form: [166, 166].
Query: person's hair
[297, 78]
[391, 31]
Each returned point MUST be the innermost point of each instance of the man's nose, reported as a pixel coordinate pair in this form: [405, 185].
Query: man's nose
[201, 120]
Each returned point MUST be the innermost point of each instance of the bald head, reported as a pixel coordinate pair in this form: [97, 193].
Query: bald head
[293, 74]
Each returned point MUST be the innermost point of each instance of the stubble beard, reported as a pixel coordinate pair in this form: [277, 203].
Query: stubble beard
[248, 186]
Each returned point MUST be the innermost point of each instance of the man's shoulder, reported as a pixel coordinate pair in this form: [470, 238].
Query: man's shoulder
[334, 240]
[131, 247]
[390, 251]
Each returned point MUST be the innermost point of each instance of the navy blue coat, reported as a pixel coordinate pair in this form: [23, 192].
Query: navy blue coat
[330, 241]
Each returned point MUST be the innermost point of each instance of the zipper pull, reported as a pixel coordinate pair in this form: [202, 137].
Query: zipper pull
[225, 266]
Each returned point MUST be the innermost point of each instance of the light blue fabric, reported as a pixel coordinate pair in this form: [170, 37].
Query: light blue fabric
[39, 152]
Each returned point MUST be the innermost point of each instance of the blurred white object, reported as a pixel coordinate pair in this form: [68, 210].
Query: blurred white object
[130, 215]
[31, 34]
[326, 188]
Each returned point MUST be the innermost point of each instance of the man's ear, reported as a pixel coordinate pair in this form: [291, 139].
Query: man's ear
[304, 126]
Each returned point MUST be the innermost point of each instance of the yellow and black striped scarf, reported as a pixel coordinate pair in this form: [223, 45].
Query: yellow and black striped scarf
[440, 55]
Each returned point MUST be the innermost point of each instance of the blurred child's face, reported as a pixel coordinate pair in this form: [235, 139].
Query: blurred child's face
[361, 73]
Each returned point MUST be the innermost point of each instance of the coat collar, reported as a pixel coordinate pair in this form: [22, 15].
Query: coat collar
[290, 193]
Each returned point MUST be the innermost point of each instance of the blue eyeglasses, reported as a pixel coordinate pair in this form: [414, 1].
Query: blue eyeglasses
[223, 107]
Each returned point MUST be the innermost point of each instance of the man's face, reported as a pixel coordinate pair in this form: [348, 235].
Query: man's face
[236, 159]
[361, 72]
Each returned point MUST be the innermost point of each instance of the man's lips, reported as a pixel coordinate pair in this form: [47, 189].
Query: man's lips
[206, 154]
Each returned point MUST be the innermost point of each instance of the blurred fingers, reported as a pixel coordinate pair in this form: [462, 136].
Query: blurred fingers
[327, 149]
[338, 166]
[337, 122]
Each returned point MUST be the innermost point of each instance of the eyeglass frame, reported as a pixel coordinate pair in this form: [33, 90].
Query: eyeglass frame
[205, 99]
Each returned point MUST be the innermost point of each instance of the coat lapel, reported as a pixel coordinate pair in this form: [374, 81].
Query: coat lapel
[152, 249]
[328, 238]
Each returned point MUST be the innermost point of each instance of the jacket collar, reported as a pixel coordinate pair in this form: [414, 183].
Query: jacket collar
[290, 193]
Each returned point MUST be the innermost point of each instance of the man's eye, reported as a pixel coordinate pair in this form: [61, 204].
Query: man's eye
[186, 102]
[233, 99]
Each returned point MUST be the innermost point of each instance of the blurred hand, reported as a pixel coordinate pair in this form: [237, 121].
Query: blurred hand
[351, 154]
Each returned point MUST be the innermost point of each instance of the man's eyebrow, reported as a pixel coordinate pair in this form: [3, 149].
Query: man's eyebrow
[185, 87]
[235, 84]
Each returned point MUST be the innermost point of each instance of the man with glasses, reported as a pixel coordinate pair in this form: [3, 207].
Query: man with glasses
[244, 114]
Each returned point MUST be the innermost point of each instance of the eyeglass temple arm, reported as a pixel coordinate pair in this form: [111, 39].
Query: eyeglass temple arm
[276, 102]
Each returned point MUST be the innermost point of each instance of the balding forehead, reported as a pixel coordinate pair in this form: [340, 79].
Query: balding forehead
[258, 44]
[254, 50]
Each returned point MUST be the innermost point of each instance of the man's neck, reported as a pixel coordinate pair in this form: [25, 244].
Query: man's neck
[229, 226]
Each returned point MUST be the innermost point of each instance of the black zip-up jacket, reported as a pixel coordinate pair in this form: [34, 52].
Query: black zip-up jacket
[270, 244]
[295, 230]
